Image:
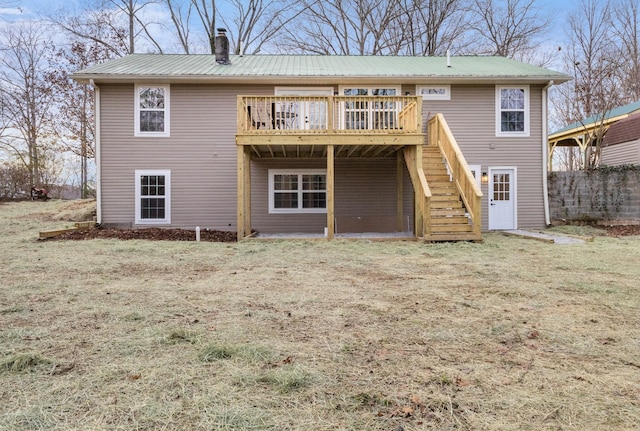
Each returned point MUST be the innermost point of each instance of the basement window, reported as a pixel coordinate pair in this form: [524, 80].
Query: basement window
[297, 191]
[153, 197]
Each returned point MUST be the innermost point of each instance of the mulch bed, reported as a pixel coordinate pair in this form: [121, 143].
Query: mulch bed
[155, 234]
[161, 234]
[627, 230]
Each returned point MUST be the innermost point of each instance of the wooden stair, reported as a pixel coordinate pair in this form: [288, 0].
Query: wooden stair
[449, 219]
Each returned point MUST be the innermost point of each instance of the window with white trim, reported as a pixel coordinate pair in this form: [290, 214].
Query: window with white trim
[297, 191]
[153, 196]
[434, 92]
[152, 110]
[475, 170]
[512, 111]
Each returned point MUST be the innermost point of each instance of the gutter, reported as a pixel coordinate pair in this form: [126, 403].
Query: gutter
[545, 151]
[244, 79]
[97, 153]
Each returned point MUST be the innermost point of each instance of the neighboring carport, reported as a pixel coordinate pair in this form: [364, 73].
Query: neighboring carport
[587, 132]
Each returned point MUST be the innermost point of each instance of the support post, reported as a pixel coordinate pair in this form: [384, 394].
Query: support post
[330, 192]
[247, 190]
[244, 193]
[400, 191]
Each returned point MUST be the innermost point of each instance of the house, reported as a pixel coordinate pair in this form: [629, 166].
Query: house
[586, 132]
[440, 148]
[621, 144]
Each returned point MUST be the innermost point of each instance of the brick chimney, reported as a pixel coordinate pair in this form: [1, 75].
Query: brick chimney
[222, 47]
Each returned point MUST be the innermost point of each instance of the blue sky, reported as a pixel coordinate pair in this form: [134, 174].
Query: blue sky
[12, 10]
[31, 8]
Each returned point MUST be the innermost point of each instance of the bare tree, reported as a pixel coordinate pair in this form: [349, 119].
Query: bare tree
[98, 26]
[508, 28]
[132, 10]
[77, 122]
[431, 27]
[592, 60]
[346, 27]
[206, 10]
[256, 23]
[27, 97]
[626, 29]
[100, 21]
[180, 17]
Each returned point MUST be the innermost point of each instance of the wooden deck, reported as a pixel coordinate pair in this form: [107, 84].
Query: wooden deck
[447, 199]
[303, 126]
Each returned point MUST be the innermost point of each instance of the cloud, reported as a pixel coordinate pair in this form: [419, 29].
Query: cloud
[11, 11]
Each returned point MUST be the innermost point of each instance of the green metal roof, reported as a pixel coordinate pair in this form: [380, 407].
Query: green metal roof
[613, 113]
[177, 67]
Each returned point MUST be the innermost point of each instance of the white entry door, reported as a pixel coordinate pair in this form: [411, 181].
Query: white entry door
[502, 198]
[303, 115]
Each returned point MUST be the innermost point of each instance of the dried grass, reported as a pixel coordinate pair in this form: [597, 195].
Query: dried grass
[23, 362]
[509, 334]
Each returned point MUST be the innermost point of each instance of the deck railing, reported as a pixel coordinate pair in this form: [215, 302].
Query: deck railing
[329, 114]
[440, 134]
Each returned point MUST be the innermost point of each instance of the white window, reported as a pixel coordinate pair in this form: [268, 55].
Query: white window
[366, 115]
[434, 92]
[152, 110]
[475, 170]
[153, 196]
[512, 111]
[297, 191]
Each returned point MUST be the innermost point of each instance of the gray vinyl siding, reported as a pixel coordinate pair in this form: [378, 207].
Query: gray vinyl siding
[202, 156]
[471, 115]
[625, 153]
[365, 197]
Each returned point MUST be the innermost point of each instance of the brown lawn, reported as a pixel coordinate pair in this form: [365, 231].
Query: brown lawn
[509, 334]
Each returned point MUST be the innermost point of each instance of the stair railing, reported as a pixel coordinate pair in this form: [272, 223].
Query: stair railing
[413, 159]
[440, 135]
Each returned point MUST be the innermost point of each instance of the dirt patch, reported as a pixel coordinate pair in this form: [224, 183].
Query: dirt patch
[628, 230]
[156, 234]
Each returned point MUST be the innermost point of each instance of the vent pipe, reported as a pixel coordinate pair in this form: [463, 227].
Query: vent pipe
[222, 47]
[448, 58]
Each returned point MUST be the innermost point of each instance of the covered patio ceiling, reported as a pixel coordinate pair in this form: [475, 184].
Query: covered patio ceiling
[320, 151]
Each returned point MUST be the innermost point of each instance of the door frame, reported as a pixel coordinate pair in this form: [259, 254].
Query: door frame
[514, 194]
[303, 91]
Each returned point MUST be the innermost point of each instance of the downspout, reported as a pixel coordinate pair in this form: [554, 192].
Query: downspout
[97, 153]
[545, 151]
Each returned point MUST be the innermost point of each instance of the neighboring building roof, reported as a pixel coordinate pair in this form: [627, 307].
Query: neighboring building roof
[294, 68]
[623, 131]
[614, 114]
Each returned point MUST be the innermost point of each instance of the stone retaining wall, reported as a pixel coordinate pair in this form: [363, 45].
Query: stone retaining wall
[606, 194]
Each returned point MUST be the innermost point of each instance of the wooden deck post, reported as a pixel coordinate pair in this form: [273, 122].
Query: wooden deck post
[330, 192]
[244, 192]
[400, 191]
[247, 190]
